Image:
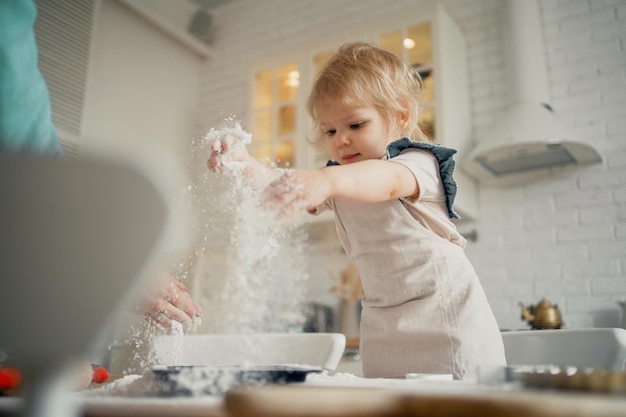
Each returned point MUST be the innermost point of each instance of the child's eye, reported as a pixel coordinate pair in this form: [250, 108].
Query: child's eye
[330, 132]
[357, 125]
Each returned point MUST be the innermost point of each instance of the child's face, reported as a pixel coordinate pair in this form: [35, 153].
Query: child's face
[354, 134]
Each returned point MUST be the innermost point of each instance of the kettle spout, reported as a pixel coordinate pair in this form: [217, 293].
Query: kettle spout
[526, 314]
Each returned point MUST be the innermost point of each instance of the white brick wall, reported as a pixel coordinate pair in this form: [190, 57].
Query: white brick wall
[563, 238]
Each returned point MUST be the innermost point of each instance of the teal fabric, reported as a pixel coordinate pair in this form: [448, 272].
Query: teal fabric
[445, 159]
[25, 114]
[446, 166]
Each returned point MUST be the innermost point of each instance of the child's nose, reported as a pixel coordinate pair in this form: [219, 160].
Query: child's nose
[344, 139]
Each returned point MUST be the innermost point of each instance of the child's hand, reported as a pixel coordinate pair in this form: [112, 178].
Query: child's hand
[228, 155]
[296, 190]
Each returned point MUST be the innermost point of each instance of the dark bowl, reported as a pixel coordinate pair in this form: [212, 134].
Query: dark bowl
[173, 381]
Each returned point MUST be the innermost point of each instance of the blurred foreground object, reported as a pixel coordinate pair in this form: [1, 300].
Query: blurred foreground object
[77, 239]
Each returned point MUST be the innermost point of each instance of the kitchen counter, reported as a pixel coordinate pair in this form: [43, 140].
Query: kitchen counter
[156, 407]
[345, 395]
[343, 401]
[134, 407]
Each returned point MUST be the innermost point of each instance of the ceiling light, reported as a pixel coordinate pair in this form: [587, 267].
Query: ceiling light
[408, 43]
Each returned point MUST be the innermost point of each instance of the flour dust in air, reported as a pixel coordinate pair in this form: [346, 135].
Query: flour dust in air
[255, 266]
[246, 269]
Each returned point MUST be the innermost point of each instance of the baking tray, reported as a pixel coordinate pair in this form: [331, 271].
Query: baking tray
[175, 381]
[571, 378]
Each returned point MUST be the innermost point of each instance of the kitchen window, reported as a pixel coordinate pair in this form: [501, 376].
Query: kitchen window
[274, 114]
[414, 45]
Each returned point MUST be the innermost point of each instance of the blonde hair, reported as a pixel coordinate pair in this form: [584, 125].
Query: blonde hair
[362, 74]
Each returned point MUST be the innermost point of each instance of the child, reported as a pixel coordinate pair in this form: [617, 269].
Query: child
[424, 310]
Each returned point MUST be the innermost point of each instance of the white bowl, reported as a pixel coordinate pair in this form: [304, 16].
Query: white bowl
[322, 350]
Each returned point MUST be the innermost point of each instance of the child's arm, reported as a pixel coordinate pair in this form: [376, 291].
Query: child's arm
[371, 181]
[366, 181]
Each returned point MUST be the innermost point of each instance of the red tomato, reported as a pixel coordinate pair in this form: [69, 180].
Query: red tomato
[100, 375]
[10, 378]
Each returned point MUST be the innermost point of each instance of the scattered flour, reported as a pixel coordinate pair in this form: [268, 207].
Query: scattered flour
[232, 127]
[167, 382]
[230, 131]
[128, 385]
[256, 266]
[262, 267]
[178, 334]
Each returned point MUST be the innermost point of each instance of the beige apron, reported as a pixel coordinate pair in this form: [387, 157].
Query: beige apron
[424, 309]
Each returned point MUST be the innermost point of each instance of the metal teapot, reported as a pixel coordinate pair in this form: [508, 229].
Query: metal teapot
[544, 315]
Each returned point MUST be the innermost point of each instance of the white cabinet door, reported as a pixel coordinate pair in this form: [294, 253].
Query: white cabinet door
[435, 46]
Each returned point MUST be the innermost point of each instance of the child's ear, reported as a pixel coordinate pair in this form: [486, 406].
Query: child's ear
[403, 120]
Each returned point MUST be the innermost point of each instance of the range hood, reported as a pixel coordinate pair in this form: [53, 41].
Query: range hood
[529, 141]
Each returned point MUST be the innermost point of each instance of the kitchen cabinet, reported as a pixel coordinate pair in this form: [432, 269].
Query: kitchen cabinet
[135, 50]
[435, 47]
